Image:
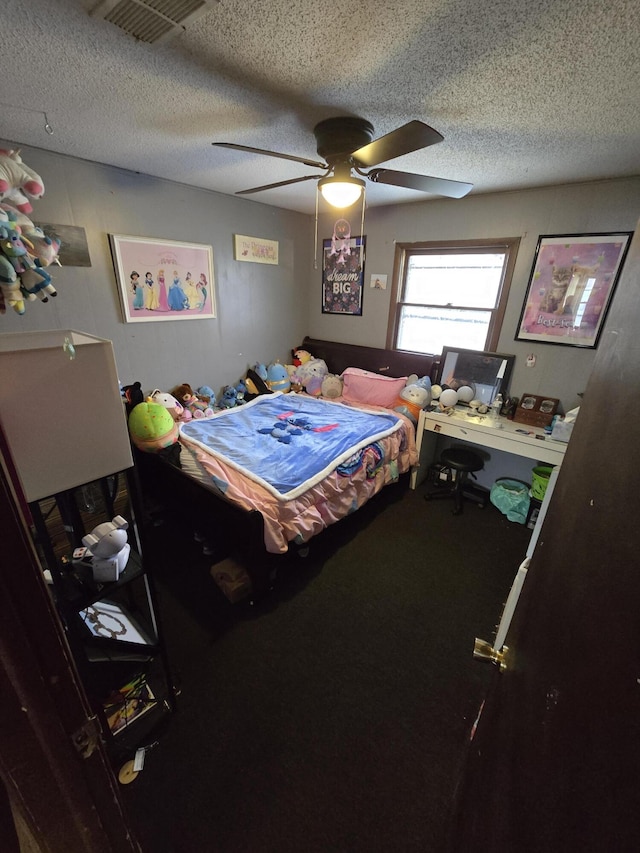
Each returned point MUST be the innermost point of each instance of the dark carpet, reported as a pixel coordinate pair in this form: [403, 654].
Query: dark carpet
[334, 714]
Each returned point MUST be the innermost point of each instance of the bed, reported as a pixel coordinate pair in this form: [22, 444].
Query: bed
[263, 479]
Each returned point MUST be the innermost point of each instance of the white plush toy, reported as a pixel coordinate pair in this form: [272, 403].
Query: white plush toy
[108, 544]
[175, 409]
[16, 179]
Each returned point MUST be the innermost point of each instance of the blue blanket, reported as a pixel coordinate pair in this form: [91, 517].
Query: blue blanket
[288, 442]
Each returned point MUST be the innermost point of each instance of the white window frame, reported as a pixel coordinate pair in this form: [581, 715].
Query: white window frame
[508, 245]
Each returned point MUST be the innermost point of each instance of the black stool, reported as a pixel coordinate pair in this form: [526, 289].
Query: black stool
[464, 462]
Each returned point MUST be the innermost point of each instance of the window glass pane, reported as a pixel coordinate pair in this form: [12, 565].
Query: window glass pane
[429, 329]
[472, 280]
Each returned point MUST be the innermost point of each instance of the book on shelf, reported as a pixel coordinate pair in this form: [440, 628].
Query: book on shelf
[129, 703]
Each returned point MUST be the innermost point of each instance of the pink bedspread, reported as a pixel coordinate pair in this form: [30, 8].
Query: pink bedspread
[335, 497]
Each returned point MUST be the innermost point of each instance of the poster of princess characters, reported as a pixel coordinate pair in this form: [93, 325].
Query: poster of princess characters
[160, 280]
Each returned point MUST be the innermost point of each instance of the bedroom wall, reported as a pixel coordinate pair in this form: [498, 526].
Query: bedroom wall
[260, 308]
[572, 209]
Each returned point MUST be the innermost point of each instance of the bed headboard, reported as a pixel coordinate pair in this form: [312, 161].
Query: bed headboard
[339, 356]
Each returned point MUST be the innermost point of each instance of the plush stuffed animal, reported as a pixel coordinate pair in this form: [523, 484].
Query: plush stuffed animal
[300, 356]
[16, 179]
[256, 383]
[278, 377]
[229, 397]
[132, 395]
[312, 372]
[414, 397]
[152, 428]
[206, 392]
[331, 387]
[198, 407]
[175, 409]
[108, 544]
[33, 278]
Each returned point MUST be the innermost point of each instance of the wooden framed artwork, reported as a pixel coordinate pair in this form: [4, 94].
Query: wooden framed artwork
[161, 280]
[255, 249]
[572, 283]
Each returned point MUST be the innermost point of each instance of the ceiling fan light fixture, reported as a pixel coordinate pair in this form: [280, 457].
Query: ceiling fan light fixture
[341, 191]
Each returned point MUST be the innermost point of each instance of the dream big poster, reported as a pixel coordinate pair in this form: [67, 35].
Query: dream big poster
[343, 273]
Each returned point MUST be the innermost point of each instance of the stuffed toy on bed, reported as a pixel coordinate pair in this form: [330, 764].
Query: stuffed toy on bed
[312, 372]
[278, 377]
[175, 409]
[197, 406]
[152, 428]
[331, 387]
[256, 382]
[132, 395]
[415, 396]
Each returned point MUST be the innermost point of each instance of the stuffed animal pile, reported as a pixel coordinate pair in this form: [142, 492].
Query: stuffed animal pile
[25, 250]
[194, 405]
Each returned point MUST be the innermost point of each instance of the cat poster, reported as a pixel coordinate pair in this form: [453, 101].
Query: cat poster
[571, 286]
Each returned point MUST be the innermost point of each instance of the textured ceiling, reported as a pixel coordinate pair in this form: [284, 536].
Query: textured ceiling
[525, 92]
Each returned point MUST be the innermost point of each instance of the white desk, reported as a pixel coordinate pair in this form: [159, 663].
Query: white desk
[481, 430]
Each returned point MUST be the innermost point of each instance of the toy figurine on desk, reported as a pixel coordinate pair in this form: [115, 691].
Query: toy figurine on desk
[108, 545]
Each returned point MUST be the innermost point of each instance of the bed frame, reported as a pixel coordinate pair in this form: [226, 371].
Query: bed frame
[232, 531]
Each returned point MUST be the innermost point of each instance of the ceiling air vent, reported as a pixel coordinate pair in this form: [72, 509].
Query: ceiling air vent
[152, 20]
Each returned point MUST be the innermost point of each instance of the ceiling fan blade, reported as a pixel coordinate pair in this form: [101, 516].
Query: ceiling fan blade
[271, 154]
[403, 140]
[423, 183]
[279, 184]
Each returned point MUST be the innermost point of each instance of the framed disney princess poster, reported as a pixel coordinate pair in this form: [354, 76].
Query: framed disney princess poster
[161, 280]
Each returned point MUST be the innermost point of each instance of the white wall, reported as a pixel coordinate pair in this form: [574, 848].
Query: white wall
[597, 207]
[261, 308]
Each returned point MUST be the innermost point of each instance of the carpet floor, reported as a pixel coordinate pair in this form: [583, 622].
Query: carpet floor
[333, 714]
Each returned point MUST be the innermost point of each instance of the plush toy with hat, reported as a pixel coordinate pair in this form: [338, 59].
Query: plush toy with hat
[256, 382]
[415, 396]
[278, 377]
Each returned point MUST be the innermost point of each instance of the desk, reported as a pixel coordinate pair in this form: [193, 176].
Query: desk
[481, 430]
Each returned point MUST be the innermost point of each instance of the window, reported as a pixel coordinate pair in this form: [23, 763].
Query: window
[450, 294]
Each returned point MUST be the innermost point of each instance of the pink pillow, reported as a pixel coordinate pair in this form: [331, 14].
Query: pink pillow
[363, 386]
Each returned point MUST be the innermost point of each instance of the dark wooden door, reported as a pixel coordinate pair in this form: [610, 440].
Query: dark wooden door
[555, 761]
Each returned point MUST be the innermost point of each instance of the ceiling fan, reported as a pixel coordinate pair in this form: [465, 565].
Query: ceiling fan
[346, 143]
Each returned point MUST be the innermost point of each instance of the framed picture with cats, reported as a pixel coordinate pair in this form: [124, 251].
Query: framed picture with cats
[571, 286]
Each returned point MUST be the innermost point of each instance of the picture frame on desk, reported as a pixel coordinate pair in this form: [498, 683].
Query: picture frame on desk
[571, 286]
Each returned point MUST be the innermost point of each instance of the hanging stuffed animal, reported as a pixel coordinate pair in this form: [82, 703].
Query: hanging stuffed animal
[16, 179]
